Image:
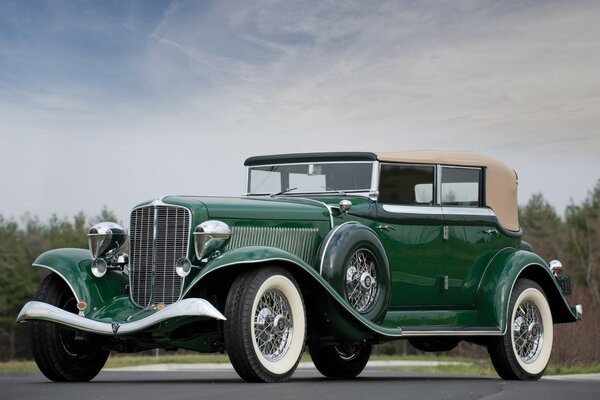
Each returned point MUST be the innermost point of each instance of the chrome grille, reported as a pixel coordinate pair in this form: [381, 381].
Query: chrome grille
[158, 237]
[299, 241]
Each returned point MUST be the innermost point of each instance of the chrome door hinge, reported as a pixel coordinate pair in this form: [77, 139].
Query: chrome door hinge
[446, 232]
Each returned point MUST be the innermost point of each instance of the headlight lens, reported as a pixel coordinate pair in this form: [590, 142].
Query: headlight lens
[105, 238]
[209, 237]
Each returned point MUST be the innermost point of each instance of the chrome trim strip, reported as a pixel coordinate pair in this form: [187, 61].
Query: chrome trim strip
[332, 234]
[62, 276]
[438, 183]
[439, 210]
[483, 211]
[449, 332]
[375, 173]
[429, 210]
[36, 310]
[328, 207]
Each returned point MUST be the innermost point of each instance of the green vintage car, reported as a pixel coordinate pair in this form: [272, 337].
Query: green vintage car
[334, 251]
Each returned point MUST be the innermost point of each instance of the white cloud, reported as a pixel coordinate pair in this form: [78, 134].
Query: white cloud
[226, 80]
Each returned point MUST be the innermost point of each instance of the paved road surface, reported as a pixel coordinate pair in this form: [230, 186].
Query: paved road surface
[306, 384]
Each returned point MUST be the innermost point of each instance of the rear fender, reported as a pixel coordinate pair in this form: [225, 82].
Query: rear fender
[505, 269]
[74, 267]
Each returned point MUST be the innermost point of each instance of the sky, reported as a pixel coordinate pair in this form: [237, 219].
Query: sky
[108, 104]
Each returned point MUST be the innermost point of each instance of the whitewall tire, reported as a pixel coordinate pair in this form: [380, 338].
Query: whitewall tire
[524, 351]
[266, 325]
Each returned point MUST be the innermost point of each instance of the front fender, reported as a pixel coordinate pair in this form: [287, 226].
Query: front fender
[505, 269]
[246, 257]
[74, 267]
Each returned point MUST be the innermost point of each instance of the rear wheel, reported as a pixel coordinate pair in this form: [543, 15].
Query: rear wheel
[58, 355]
[524, 350]
[344, 361]
[266, 325]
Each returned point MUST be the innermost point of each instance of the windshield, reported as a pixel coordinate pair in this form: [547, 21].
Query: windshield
[310, 178]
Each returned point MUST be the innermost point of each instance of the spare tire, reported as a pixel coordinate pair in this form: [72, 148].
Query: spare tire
[355, 263]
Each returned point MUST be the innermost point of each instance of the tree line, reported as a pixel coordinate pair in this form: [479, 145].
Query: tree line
[573, 238]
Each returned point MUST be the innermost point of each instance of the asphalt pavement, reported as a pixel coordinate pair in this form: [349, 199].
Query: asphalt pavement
[224, 384]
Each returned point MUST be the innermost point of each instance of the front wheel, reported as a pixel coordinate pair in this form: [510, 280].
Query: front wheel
[342, 362]
[266, 325]
[523, 352]
[58, 354]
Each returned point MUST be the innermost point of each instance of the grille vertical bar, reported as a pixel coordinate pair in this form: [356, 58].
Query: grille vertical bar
[159, 236]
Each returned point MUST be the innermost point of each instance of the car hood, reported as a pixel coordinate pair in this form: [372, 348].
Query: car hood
[263, 208]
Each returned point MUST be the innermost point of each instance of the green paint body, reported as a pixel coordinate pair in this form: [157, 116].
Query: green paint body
[446, 272]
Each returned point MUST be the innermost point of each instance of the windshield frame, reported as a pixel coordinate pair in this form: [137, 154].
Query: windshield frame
[332, 191]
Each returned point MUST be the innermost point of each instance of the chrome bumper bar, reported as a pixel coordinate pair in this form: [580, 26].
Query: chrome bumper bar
[36, 310]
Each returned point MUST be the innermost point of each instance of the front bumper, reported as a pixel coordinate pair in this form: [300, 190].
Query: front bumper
[36, 310]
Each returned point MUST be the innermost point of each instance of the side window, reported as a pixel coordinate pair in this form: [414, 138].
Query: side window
[406, 184]
[461, 187]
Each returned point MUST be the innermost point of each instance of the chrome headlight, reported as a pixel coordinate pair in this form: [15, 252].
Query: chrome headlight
[209, 237]
[105, 239]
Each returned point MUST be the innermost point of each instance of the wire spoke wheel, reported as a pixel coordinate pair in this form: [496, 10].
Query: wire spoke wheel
[273, 325]
[266, 325]
[528, 332]
[523, 352]
[361, 280]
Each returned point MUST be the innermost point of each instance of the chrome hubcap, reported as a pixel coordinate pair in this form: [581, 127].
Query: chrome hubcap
[273, 326]
[528, 332]
[361, 280]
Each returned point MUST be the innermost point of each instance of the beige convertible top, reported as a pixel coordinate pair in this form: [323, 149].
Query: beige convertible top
[501, 185]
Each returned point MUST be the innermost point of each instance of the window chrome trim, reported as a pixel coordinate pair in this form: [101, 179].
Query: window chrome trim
[358, 192]
[481, 188]
[438, 183]
[483, 211]
[435, 182]
[375, 174]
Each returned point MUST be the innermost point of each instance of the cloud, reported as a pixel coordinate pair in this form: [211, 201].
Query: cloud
[480, 64]
[228, 79]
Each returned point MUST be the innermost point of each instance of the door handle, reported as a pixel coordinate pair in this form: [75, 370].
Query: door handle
[492, 231]
[386, 228]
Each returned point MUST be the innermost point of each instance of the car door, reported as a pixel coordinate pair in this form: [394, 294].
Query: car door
[410, 225]
[469, 229]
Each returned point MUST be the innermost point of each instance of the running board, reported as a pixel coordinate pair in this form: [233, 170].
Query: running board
[412, 332]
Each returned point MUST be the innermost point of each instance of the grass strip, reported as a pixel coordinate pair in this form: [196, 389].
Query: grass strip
[474, 367]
